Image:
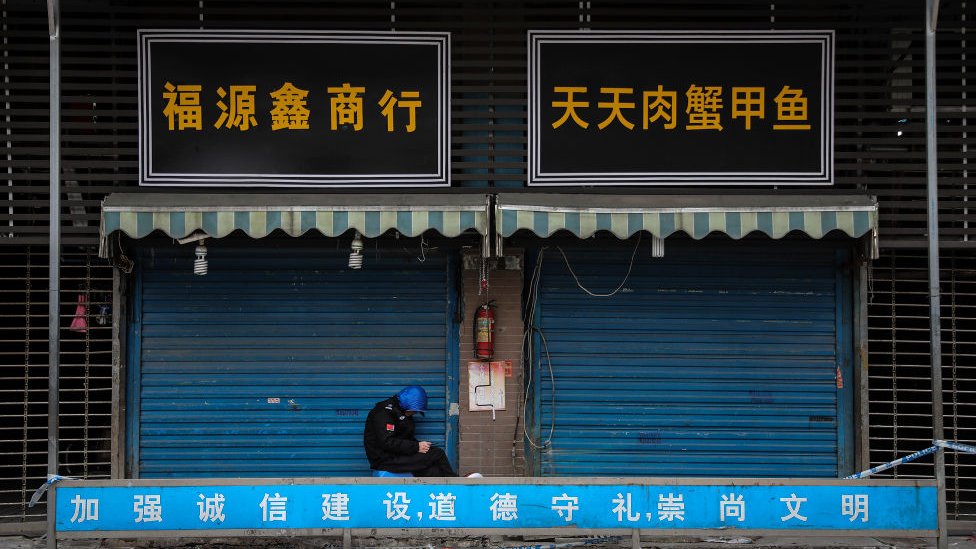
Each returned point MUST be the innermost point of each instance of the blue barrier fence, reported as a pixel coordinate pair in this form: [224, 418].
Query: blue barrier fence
[225, 506]
[238, 505]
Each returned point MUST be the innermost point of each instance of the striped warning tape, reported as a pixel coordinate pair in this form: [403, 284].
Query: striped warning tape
[958, 446]
[912, 457]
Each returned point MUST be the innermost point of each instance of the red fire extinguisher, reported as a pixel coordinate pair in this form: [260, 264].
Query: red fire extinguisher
[484, 331]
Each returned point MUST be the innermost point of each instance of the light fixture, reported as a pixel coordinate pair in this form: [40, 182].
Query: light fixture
[356, 255]
[200, 263]
[657, 246]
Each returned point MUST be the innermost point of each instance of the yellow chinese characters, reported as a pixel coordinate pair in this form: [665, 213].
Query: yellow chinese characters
[615, 105]
[664, 105]
[704, 106]
[182, 108]
[240, 113]
[409, 100]
[791, 107]
[748, 103]
[291, 107]
[570, 105]
[347, 106]
[289, 110]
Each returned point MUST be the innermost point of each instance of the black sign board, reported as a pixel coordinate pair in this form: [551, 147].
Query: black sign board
[259, 108]
[680, 108]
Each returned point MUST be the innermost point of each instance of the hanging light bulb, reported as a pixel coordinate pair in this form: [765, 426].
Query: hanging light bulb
[657, 246]
[356, 255]
[200, 263]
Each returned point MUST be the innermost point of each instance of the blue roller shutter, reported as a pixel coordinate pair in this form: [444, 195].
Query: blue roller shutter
[717, 361]
[268, 365]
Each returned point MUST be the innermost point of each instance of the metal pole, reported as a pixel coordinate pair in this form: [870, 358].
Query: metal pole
[938, 427]
[9, 132]
[54, 257]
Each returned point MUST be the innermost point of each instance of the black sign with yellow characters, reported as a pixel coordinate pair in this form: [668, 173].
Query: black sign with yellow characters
[680, 108]
[258, 108]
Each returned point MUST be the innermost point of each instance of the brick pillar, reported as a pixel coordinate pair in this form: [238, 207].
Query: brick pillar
[486, 445]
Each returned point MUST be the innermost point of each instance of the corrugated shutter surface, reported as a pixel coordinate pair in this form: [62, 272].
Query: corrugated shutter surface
[327, 342]
[713, 361]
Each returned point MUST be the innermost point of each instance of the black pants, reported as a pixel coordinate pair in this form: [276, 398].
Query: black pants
[432, 464]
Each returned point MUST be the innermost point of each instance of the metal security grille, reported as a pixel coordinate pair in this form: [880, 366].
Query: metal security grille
[86, 373]
[900, 392]
[23, 395]
[880, 135]
[880, 150]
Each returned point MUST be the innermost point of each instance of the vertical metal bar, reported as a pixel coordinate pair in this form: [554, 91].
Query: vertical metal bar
[86, 429]
[25, 443]
[9, 131]
[965, 134]
[452, 437]
[931, 19]
[133, 381]
[844, 348]
[52, 499]
[54, 256]
[118, 379]
[957, 493]
[893, 322]
[861, 366]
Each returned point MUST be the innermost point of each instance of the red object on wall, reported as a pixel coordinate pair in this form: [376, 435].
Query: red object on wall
[80, 322]
[484, 332]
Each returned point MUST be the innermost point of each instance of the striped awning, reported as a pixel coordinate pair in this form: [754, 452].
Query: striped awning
[697, 216]
[257, 215]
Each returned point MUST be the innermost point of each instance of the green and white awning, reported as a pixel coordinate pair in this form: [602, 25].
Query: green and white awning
[257, 215]
[697, 216]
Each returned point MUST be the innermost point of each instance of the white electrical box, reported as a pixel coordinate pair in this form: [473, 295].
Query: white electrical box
[486, 386]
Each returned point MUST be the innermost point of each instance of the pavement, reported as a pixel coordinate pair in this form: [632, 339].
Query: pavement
[495, 542]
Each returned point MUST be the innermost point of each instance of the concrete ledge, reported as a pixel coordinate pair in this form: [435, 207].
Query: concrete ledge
[34, 528]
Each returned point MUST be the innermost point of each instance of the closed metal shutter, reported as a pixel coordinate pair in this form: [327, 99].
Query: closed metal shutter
[717, 361]
[268, 365]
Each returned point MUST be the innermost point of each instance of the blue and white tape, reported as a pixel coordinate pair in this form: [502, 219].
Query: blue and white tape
[958, 446]
[912, 457]
[39, 493]
[895, 463]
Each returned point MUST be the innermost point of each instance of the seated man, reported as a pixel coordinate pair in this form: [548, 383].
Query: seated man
[389, 437]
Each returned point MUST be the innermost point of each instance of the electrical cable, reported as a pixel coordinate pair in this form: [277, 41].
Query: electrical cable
[526, 354]
[624, 281]
[520, 402]
[552, 400]
[527, 345]
[121, 261]
[527, 340]
[423, 249]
